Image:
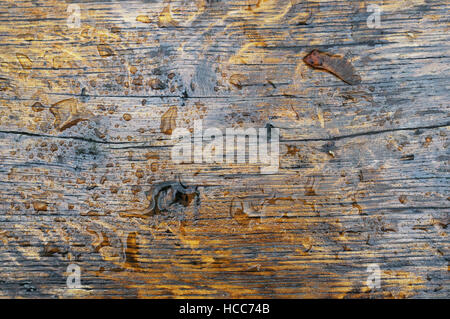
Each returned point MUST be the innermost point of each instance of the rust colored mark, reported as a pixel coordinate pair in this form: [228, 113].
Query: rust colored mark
[127, 117]
[166, 194]
[104, 50]
[101, 240]
[237, 212]
[164, 197]
[24, 61]
[168, 121]
[403, 199]
[156, 84]
[132, 252]
[165, 18]
[356, 205]
[66, 114]
[71, 122]
[309, 187]
[37, 107]
[143, 19]
[237, 80]
[334, 64]
[40, 206]
[50, 250]
[4, 84]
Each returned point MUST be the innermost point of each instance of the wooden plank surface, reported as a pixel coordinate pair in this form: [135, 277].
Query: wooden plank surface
[363, 176]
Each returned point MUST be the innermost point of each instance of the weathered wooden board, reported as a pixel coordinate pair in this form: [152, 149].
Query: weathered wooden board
[363, 177]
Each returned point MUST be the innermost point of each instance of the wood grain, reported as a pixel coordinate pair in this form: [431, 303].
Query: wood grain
[364, 168]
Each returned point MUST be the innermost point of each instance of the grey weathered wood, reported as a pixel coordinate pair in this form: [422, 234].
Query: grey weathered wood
[363, 174]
